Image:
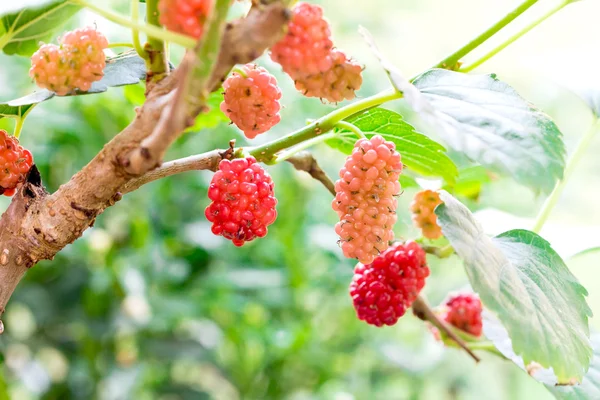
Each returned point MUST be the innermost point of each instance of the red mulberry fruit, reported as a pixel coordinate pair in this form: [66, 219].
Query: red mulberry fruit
[383, 290]
[243, 201]
[464, 313]
[15, 163]
[306, 48]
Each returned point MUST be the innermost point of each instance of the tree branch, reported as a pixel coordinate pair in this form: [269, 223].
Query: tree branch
[425, 313]
[199, 162]
[304, 161]
[37, 225]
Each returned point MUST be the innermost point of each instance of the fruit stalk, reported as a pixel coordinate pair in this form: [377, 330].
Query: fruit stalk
[425, 313]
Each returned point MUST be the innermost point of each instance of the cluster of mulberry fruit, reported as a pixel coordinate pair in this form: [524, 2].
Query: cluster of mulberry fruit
[15, 163]
[243, 201]
[251, 100]
[77, 63]
[423, 213]
[307, 55]
[365, 198]
[184, 16]
[383, 290]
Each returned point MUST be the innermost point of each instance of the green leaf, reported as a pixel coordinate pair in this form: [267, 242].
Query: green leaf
[419, 153]
[18, 107]
[589, 389]
[525, 282]
[407, 182]
[125, 69]
[31, 22]
[489, 122]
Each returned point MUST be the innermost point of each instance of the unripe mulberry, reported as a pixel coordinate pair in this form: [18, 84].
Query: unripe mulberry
[243, 201]
[464, 312]
[365, 198]
[306, 48]
[338, 83]
[15, 163]
[423, 215]
[383, 290]
[77, 63]
[252, 100]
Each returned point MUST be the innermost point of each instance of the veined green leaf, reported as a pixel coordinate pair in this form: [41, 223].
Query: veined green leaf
[26, 23]
[489, 122]
[525, 282]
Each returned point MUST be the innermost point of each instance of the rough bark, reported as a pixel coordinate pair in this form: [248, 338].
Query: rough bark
[37, 225]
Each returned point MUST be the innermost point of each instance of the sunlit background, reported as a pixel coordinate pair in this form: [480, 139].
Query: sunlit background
[150, 305]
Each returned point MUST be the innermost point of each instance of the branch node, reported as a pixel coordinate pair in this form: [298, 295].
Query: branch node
[4, 257]
[145, 153]
[86, 211]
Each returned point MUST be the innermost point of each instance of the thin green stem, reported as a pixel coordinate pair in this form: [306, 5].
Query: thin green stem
[18, 126]
[451, 61]
[551, 201]
[323, 125]
[120, 44]
[20, 120]
[207, 52]
[150, 30]
[135, 34]
[237, 69]
[486, 346]
[516, 36]
[352, 128]
[286, 154]
[157, 62]
[440, 252]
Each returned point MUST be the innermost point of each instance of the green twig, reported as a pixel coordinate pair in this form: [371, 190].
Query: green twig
[488, 346]
[516, 36]
[150, 30]
[239, 70]
[352, 128]
[323, 125]
[135, 34]
[120, 44]
[452, 60]
[157, 62]
[20, 120]
[440, 252]
[551, 201]
[207, 53]
[285, 155]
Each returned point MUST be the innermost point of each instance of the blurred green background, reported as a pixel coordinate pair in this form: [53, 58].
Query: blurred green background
[150, 305]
